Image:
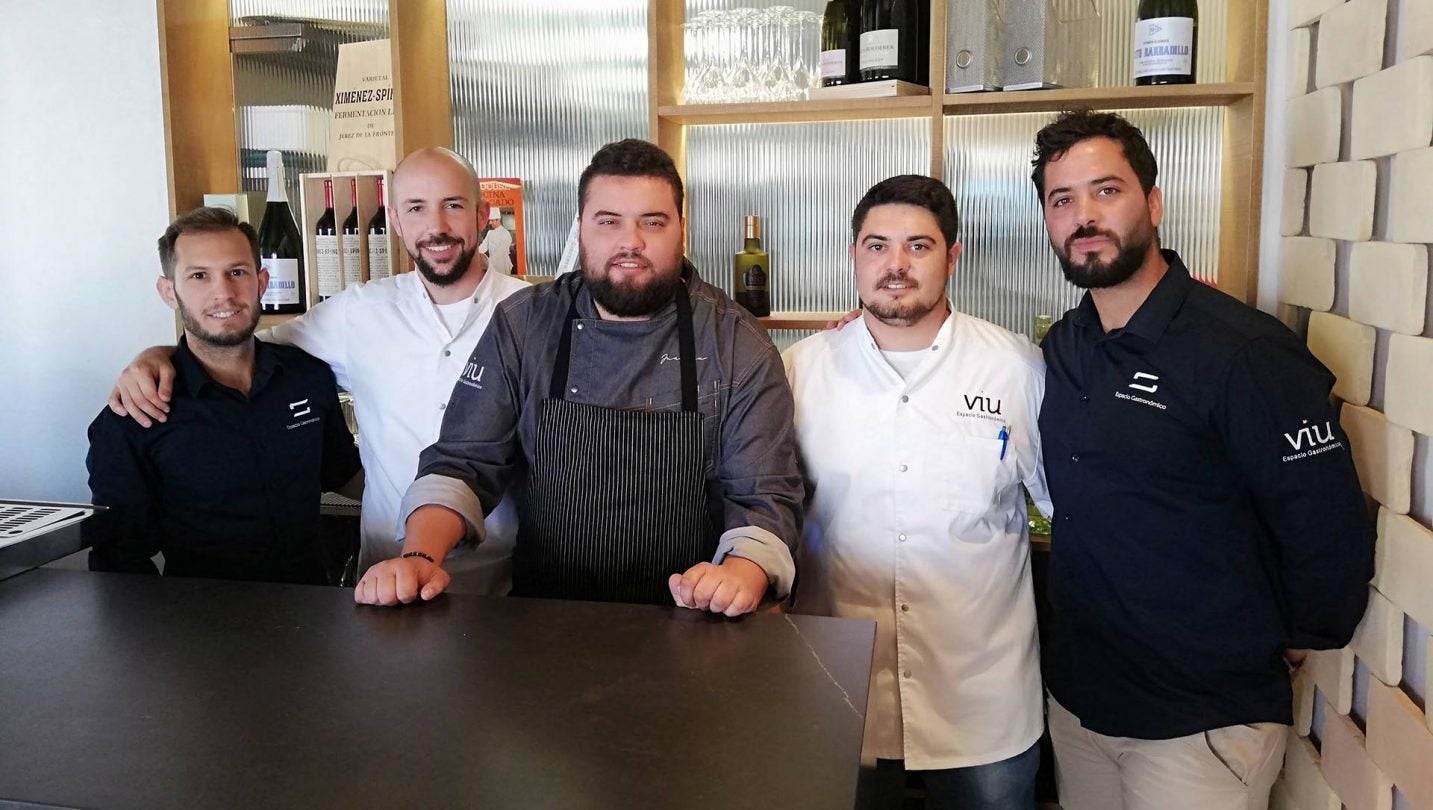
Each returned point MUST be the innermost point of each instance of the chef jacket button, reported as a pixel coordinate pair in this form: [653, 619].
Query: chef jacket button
[1084, 398]
[579, 327]
[901, 537]
[905, 608]
[447, 352]
[905, 398]
[904, 468]
[442, 406]
[572, 390]
[935, 348]
[1075, 458]
[906, 674]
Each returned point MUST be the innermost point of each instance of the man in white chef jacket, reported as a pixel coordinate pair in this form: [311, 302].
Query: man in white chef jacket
[497, 244]
[917, 428]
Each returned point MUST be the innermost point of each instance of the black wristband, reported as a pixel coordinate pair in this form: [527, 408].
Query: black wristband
[422, 554]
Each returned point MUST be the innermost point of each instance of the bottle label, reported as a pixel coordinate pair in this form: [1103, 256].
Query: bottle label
[880, 49]
[352, 261]
[283, 282]
[833, 64]
[1164, 46]
[378, 256]
[325, 249]
[754, 279]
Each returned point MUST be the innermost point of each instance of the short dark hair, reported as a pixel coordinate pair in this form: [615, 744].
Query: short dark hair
[203, 220]
[631, 157]
[1075, 126]
[911, 189]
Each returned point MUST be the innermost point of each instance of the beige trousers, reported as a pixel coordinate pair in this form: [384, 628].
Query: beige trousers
[1231, 768]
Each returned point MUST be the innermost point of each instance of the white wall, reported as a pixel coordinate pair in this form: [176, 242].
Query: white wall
[85, 197]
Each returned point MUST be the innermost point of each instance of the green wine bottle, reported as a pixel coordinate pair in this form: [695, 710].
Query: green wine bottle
[751, 272]
[838, 58]
[1166, 39]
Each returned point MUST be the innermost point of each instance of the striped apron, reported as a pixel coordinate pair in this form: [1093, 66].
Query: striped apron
[616, 499]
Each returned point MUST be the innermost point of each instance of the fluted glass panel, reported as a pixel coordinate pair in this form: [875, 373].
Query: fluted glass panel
[1007, 273]
[537, 87]
[285, 98]
[802, 180]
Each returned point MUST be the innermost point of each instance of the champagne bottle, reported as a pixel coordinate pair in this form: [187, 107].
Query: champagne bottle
[325, 247]
[1166, 38]
[837, 55]
[895, 40]
[280, 249]
[378, 266]
[352, 249]
[751, 272]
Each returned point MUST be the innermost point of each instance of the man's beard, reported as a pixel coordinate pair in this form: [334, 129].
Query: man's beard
[218, 340]
[900, 313]
[1093, 274]
[627, 300]
[461, 265]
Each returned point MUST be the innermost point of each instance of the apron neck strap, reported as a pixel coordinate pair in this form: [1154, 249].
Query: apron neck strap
[686, 347]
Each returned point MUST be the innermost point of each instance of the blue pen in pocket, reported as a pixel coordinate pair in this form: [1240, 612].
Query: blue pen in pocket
[1004, 438]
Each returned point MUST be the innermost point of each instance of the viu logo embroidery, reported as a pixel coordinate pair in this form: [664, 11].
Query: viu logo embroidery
[294, 407]
[474, 372]
[1140, 375]
[983, 404]
[1312, 434]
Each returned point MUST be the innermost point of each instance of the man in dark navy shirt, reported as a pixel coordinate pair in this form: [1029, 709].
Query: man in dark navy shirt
[1209, 524]
[229, 486]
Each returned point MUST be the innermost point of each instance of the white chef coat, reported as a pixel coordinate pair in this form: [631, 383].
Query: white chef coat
[495, 246]
[387, 345]
[916, 519]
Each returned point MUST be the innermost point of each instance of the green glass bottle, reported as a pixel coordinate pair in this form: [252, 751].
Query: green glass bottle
[1039, 524]
[751, 272]
[1166, 39]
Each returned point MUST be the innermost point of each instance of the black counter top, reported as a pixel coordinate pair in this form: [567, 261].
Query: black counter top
[128, 691]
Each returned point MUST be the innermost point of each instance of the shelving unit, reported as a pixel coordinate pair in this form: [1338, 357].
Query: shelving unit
[201, 133]
[1241, 94]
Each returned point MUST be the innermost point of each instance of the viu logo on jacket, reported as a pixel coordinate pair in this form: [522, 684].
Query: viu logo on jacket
[472, 376]
[983, 404]
[1313, 435]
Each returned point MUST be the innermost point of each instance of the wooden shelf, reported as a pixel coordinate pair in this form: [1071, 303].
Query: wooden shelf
[800, 320]
[787, 112]
[1108, 98]
[1014, 101]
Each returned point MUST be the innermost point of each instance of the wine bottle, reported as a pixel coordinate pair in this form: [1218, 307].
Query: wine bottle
[836, 54]
[1166, 39]
[894, 40]
[1042, 327]
[378, 266]
[325, 247]
[352, 249]
[751, 272]
[280, 249]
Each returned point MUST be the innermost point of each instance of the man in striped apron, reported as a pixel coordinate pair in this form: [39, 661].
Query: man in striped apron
[641, 418]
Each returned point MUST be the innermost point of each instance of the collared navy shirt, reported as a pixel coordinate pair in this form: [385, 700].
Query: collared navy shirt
[228, 487]
[1207, 513]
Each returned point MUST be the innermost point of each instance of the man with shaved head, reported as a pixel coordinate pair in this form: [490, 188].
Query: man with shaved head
[399, 344]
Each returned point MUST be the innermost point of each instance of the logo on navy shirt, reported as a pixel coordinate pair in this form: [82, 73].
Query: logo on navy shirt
[1310, 440]
[300, 409]
[1146, 382]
